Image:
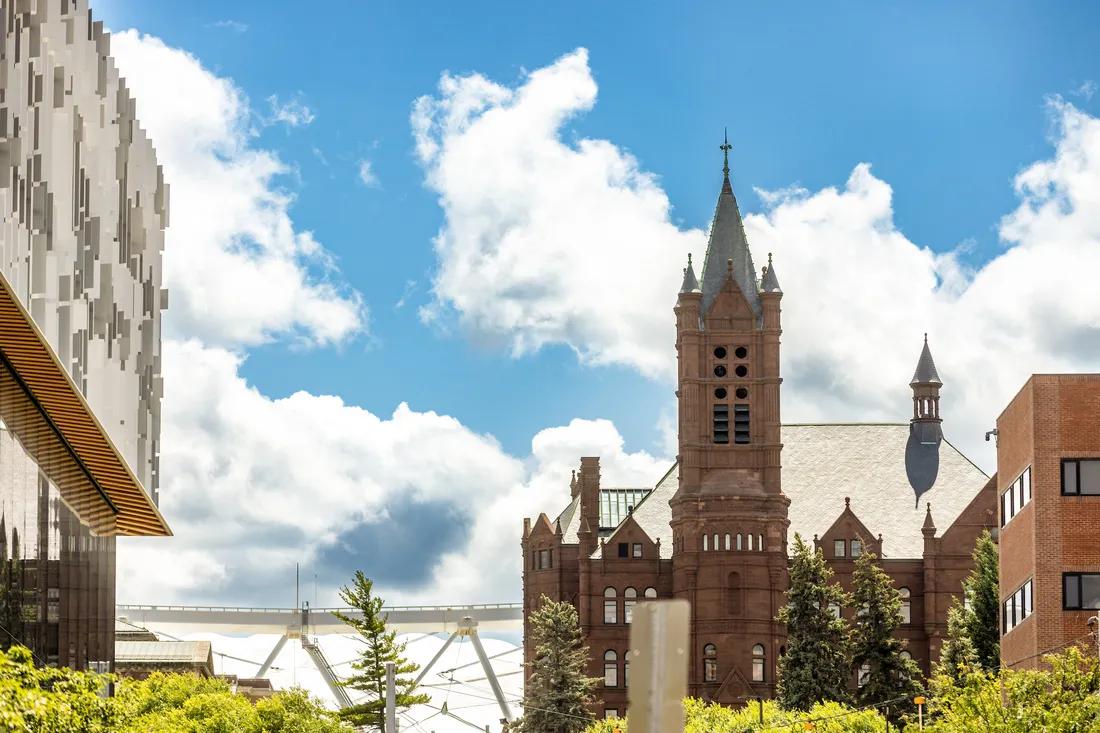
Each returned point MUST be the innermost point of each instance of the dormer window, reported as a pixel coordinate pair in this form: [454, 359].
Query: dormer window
[839, 548]
[857, 548]
[637, 549]
[624, 549]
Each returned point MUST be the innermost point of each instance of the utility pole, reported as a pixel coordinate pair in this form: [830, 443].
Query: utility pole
[297, 604]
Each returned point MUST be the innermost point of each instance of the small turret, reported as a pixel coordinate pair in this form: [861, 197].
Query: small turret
[691, 283]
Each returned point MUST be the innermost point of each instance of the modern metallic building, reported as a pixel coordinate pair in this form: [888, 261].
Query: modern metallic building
[83, 207]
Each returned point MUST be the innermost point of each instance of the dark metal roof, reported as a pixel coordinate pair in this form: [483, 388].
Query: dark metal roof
[728, 242]
[926, 368]
[691, 284]
[770, 283]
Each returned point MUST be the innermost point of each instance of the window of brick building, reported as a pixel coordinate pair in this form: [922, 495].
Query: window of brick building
[727, 542]
[857, 548]
[710, 663]
[650, 592]
[1081, 591]
[706, 540]
[716, 545]
[611, 714]
[631, 597]
[906, 605]
[1016, 496]
[839, 548]
[750, 542]
[740, 424]
[626, 674]
[758, 663]
[760, 542]
[739, 545]
[721, 424]
[864, 674]
[546, 559]
[905, 654]
[1016, 608]
[835, 608]
[624, 549]
[610, 668]
[637, 549]
[610, 606]
[1081, 477]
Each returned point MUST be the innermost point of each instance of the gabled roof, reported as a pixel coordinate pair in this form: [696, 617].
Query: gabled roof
[823, 464]
[113, 500]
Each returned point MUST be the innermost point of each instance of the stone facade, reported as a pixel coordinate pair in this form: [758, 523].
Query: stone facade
[716, 529]
[83, 208]
[1049, 493]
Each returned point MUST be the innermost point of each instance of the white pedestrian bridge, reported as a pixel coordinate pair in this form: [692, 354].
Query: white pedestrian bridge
[241, 620]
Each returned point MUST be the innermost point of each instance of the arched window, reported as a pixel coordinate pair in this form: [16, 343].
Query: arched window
[710, 663]
[758, 663]
[628, 605]
[727, 542]
[750, 542]
[739, 542]
[905, 654]
[610, 669]
[760, 542]
[716, 545]
[706, 538]
[733, 594]
[610, 606]
[906, 605]
[650, 592]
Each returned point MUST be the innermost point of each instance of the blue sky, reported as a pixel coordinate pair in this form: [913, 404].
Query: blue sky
[945, 102]
[566, 157]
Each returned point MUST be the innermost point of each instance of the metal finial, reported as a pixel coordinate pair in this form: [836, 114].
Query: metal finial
[725, 148]
[769, 259]
[689, 259]
[925, 338]
[729, 267]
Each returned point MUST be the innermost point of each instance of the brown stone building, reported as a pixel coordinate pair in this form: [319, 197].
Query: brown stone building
[715, 529]
[1048, 464]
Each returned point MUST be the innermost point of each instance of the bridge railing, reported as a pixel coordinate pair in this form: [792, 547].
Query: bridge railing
[255, 609]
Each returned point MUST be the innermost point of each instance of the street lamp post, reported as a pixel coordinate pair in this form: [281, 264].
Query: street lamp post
[920, 711]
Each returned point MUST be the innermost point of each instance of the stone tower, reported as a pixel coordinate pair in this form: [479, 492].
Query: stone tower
[729, 514]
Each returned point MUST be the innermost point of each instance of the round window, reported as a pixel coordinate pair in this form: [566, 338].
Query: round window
[720, 352]
[741, 370]
[720, 393]
[742, 393]
[740, 352]
[720, 370]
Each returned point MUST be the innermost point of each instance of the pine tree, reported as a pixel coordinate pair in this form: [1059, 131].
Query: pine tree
[882, 672]
[957, 656]
[983, 622]
[815, 668]
[370, 670]
[558, 694]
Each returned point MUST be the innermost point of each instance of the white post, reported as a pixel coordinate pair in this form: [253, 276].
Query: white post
[659, 641]
[391, 699]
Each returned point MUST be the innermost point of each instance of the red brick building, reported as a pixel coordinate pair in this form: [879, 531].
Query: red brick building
[1048, 464]
[715, 529]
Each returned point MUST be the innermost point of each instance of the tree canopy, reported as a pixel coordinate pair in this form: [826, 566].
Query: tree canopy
[379, 647]
[816, 666]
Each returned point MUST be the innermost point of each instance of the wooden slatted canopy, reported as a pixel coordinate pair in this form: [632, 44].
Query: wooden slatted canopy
[74, 427]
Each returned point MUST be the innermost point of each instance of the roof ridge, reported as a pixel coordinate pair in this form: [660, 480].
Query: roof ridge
[841, 424]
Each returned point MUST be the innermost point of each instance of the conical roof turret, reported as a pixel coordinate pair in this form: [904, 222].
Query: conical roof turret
[926, 368]
[691, 283]
[728, 242]
[770, 283]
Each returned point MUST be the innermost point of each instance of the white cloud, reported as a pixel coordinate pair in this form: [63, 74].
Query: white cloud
[233, 25]
[546, 242]
[291, 114]
[252, 485]
[238, 270]
[549, 242]
[366, 174]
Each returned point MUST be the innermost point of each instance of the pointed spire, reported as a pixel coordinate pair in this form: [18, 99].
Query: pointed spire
[585, 528]
[691, 283]
[929, 527]
[769, 283]
[926, 368]
[728, 242]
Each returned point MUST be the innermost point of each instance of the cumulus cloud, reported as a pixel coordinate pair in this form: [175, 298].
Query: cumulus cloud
[239, 272]
[547, 241]
[253, 485]
[366, 173]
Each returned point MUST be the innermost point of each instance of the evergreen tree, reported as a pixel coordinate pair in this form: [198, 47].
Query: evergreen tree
[957, 657]
[370, 670]
[815, 668]
[983, 622]
[882, 672]
[558, 694]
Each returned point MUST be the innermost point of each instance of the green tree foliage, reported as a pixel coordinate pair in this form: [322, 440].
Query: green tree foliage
[558, 694]
[42, 700]
[957, 656]
[704, 717]
[884, 673]
[816, 666]
[1064, 697]
[380, 647]
[983, 620]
